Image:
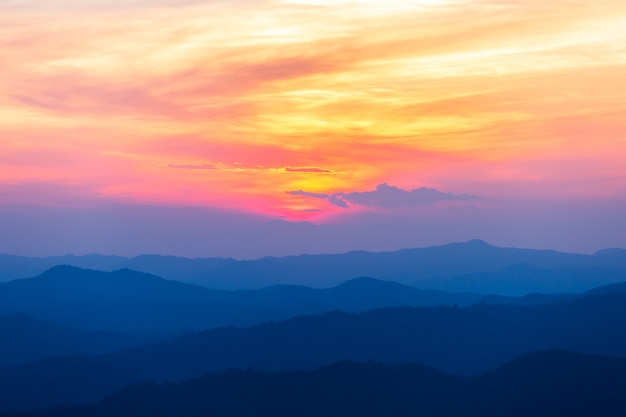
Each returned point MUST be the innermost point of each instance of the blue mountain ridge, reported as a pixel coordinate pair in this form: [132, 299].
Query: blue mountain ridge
[423, 267]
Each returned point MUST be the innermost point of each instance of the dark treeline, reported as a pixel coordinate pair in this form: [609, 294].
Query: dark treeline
[26, 339]
[550, 384]
[455, 340]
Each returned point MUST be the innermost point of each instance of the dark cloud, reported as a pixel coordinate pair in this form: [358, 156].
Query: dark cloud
[313, 169]
[386, 195]
[190, 166]
[307, 194]
[337, 201]
[390, 196]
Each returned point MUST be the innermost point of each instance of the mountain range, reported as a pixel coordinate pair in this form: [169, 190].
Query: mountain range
[550, 384]
[26, 339]
[453, 267]
[142, 304]
[69, 310]
[76, 334]
[464, 341]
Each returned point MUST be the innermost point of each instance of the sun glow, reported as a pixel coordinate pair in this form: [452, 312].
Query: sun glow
[233, 104]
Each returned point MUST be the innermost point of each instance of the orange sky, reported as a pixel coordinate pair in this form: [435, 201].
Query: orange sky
[233, 103]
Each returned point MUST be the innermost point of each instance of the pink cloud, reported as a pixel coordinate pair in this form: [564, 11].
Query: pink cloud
[311, 170]
[191, 166]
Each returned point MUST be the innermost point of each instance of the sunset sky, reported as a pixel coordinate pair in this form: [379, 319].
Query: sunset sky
[326, 125]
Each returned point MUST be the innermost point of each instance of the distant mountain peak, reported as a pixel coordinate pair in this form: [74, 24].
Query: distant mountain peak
[478, 242]
[470, 244]
[610, 252]
[365, 281]
[64, 269]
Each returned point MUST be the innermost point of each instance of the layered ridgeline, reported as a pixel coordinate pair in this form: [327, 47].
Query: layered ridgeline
[471, 266]
[26, 339]
[68, 310]
[553, 383]
[146, 305]
[466, 341]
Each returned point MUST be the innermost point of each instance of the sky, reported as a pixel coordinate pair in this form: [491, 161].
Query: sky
[247, 128]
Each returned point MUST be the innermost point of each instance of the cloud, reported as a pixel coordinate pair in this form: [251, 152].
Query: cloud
[304, 169]
[390, 196]
[307, 194]
[386, 195]
[502, 104]
[191, 166]
[336, 200]
[239, 166]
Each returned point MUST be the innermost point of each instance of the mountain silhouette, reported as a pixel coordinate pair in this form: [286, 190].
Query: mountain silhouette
[466, 341]
[85, 311]
[553, 383]
[609, 289]
[123, 300]
[26, 339]
[144, 304]
[521, 279]
[419, 267]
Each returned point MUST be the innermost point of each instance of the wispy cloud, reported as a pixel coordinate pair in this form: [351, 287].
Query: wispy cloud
[315, 95]
[239, 166]
[311, 170]
[190, 166]
[307, 194]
